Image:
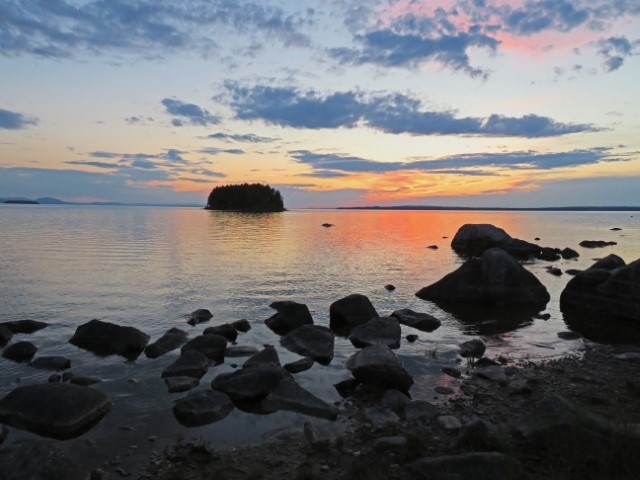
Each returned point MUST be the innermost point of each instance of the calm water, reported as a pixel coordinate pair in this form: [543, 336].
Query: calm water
[150, 267]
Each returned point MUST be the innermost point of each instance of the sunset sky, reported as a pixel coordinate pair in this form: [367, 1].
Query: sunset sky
[335, 103]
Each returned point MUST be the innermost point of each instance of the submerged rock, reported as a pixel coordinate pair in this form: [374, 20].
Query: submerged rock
[20, 351]
[191, 363]
[24, 326]
[596, 243]
[569, 253]
[313, 341]
[351, 311]
[417, 320]
[202, 407]
[290, 315]
[249, 384]
[199, 316]
[104, 338]
[51, 363]
[299, 365]
[378, 365]
[172, 339]
[377, 331]
[58, 410]
[240, 351]
[496, 279]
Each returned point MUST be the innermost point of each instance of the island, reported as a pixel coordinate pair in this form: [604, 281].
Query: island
[245, 197]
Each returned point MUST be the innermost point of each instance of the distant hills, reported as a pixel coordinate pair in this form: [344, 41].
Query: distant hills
[56, 201]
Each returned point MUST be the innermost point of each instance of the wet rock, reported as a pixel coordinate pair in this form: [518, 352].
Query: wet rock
[389, 288]
[5, 335]
[211, 346]
[266, 357]
[478, 435]
[615, 229]
[474, 239]
[172, 339]
[569, 335]
[346, 388]
[378, 365]
[290, 396]
[191, 363]
[548, 254]
[610, 262]
[290, 316]
[379, 416]
[377, 331]
[411, 338]
[472, 348]
[240, 351]
[4, 432]
[20, 351]
[569, 253]
[417, 320]
[66, 376]
[419, 410]
[433, 247]
[596, 243]
[554, 271]
[202, 407]
[351, 311]
[55, 378]
[395, 400]
[495, 279]
[542, 316]
[226, 330]
[494, 374]
[486, 362]
[199, 316]
[24, 326]
[299, 365]
[476, 465]
[386, 444]
[572, 271]
[181, 384]
[241, 325]
[327, 225]
[84, 380]
[452, 372]
[51, 363]
[36, 459]
[249, 384]
[58, 410]
[449, 422]
[104, 338]
[313, 341]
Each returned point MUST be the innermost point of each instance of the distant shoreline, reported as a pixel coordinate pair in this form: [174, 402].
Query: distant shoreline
[502, 209]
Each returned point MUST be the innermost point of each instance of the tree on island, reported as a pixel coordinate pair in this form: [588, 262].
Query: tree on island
[245, 197]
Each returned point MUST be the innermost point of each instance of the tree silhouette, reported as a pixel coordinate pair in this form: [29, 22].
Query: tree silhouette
[246, 197]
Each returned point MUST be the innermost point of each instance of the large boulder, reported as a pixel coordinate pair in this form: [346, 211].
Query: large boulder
[290, 315]
[172, 339]
[202, 407]
[378, 365]
[475, 239]
[24, 326]
[225, 330]
[288, 395]
[57, 410]
[20, 351]
[494, 279]
[417, 320]
[211, 346]
[249, 384]
[351, 311]
[313, 341]
[377, 331]
[191, 363]
[104, 338]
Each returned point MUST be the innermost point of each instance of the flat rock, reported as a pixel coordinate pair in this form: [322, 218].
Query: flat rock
[226, 330]
[240, 351]
[170, 340]
[199, 316]
[20, 351]
[181, 384]
[202, 407]
[290, 316]
[475, 465]
[377, 331]
[299, 365]
[596, 243]
[58, 410]
[24, 326]
[104, 338]
[351, 311]
[417, 320]
[38, 459]
[51, 363]
[313, 341]
[211, 346]
[191, 363]
[241, 325]
[378, 365]
[290, 396]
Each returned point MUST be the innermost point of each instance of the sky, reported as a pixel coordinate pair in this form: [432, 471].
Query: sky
[505, 103]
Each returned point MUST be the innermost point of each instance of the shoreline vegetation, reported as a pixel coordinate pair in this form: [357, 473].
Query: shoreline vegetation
[245, 197]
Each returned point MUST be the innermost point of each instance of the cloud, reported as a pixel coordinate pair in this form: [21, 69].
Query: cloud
[139, 120]
[66, 28]
[15, 121]
[218, 151]
[390, 113]
[245, 138]
[540, 15]
[193, 113]
[615, 50]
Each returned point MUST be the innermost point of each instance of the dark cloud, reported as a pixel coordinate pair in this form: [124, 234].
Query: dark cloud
[13, 120]
[392, 113]
[218, 151]
[138, 120]
[615, 50]
[189, 111]
[106, 165]
[65, 28]
[245, 138]
[540, 15]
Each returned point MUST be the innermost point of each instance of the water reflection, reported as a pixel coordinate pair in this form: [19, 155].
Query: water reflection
[479, 320]
[600, 327]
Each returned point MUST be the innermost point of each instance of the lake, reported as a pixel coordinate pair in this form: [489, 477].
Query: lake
[149, 267]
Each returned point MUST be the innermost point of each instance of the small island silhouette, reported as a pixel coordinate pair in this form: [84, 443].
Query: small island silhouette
[245, 197]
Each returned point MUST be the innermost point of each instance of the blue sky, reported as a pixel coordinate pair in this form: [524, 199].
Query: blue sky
[389, 102]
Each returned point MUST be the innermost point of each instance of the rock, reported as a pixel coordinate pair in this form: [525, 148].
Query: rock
[55, 378]
[610, 262]
[5, 335]
[310, 433]
[449, 423]
[290, 396]
[191, 363]
[444, 390]
[385, 444]
[327, 225]
[313, 341]
[66, 376]
[478, 435]
[84, 381]
[351, 311]
[420, 409]
[433, 247]
[572, 271]
[379, 366]
[377, 331]
[554, 271]
[51, 363]
[241, 325]
[389, 288]
[494, 374]
[240, 351]
[495, 279]
[103, 338]
[226, 330]
[379, 416]
[615, 229]
[266, 357]
[486, 362]
[181, 384]
[58, 410]
[249, 384]
[569, 335]
[542, 316]
[474, 239]
[20, 351]
[37, 459]
[202, 407]
[290, 315]
[24, 326]
[211, 346]
[417, 320]
[199, 316]
[452, 372]
[548, 254]
[596, 243]
[569, 253]
[475, 465]
[346, 388]
[299, 365]
[411, 338]
[609, 292]
[395, 400]
[472, 348]
[4, 432]
[172, 339]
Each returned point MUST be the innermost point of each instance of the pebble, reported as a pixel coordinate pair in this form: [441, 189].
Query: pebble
[151, 438]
